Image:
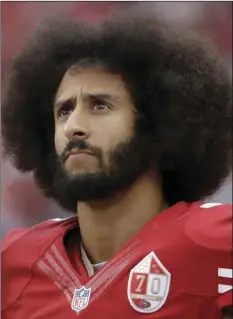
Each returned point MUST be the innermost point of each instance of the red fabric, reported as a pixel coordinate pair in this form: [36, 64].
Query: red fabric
[225, 299]
[40, 273]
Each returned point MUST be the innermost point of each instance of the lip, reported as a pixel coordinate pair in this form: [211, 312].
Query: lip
[78, 152]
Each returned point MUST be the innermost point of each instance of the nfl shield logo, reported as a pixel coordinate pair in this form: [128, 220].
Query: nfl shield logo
[81, 298]
[148, 285]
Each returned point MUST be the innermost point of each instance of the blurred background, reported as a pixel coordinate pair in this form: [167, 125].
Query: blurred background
[22, 204]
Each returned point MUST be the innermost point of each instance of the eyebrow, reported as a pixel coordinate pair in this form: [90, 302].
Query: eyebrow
[103, 96]
[60, 103]
[73, 99]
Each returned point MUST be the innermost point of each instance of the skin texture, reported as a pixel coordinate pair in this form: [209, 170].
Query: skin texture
[105, 224]
[90, 118]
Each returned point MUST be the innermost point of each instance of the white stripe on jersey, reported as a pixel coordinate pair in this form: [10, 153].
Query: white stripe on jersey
[224, 288]
[58, 219]
[209, 205]
[225, 272]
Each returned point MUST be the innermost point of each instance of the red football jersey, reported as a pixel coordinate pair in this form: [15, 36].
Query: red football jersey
[179, 266]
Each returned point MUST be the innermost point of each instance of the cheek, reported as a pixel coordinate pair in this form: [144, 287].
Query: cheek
[116, 130]
[122, 129]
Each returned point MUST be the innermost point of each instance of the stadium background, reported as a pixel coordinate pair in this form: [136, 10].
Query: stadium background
[22, 204]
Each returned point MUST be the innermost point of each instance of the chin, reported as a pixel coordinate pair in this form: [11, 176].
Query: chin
[85, 168]
[76, 172]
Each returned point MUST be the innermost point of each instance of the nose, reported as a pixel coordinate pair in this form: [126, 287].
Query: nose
[76, 126]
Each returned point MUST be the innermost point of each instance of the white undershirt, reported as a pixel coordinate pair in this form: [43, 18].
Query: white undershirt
[98, 266]
[91, 268]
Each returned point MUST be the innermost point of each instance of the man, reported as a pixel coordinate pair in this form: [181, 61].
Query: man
[127, 124]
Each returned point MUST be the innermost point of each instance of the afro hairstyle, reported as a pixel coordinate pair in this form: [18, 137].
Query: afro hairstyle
[177, 82]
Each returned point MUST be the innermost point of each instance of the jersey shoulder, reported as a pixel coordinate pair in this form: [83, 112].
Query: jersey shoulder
[21, 248]
[34, 237]
[210, 225]
[206, 236]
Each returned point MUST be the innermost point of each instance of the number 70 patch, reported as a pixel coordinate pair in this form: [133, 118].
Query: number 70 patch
[148, 285]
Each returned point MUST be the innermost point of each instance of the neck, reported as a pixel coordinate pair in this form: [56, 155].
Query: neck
[108, 224]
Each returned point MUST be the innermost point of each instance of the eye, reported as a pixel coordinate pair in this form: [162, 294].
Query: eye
[99, 105]
[65, 110]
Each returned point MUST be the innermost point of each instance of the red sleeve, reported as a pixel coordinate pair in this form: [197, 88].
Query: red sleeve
[211, 229]
[219, 234]
[21, 248]
[11, 255]
[223, 228]
[11, 238]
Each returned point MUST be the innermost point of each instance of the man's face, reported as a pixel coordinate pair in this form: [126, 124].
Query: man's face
[92, 106]
[96, 142]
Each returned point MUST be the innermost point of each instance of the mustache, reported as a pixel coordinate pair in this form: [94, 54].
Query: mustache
[79, 145]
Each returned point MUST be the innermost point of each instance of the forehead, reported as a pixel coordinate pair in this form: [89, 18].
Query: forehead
[91, 81]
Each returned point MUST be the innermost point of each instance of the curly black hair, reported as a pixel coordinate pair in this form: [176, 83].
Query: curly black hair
[178, 84]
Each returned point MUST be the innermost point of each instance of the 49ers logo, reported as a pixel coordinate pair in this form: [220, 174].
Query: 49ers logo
[148, 285]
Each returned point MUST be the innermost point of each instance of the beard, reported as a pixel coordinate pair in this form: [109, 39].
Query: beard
[126, 163]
